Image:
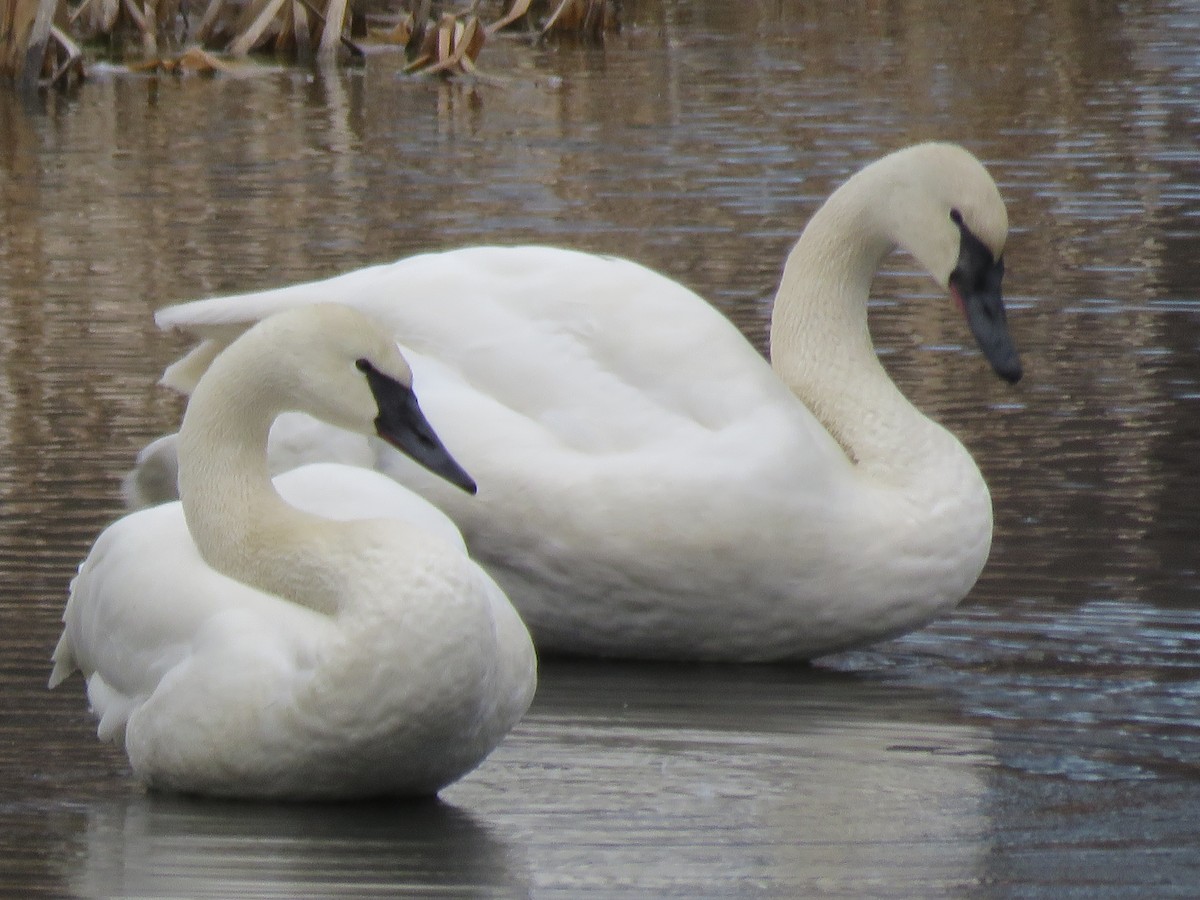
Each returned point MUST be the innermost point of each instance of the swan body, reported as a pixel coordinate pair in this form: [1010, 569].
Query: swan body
[321, 636]
[652, 487]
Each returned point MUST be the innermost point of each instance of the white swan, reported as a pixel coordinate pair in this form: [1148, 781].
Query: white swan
[653, 488]
[246, 644]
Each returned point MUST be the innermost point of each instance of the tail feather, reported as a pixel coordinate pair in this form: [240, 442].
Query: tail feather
[154, 478]
[64, 662]
[184, 374]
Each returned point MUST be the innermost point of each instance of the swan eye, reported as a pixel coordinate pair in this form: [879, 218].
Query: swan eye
[363, 366]
[956, 217]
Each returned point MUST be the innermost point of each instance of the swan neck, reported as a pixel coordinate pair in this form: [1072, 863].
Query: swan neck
[820, 340]
[233, 511]
[821, 344]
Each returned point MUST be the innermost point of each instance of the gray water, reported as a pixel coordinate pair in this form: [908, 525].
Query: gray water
[1041, 741]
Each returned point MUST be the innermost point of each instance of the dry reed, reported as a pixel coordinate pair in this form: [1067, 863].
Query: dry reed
[35, 48]
[164, 35]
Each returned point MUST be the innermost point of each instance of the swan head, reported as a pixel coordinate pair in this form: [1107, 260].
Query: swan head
[947, 212]
[340, 366]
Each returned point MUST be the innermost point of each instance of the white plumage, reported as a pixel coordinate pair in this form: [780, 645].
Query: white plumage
[652, 487]
[331, 640]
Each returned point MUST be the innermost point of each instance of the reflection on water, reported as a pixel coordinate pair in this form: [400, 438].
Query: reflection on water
[834, 782]
[160, 846]
[658, 752]
[1049, 720]
[1105, 691]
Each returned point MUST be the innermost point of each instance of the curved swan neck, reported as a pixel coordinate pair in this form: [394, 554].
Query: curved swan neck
[230, 504]
[821, 344]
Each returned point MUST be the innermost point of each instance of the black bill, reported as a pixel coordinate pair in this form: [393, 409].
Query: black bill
[975, 283]
[402, 424]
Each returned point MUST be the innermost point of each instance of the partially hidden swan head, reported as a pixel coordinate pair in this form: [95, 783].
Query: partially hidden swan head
[339, 365]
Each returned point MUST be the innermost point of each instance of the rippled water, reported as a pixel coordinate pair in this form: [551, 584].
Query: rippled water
[1040, 741]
